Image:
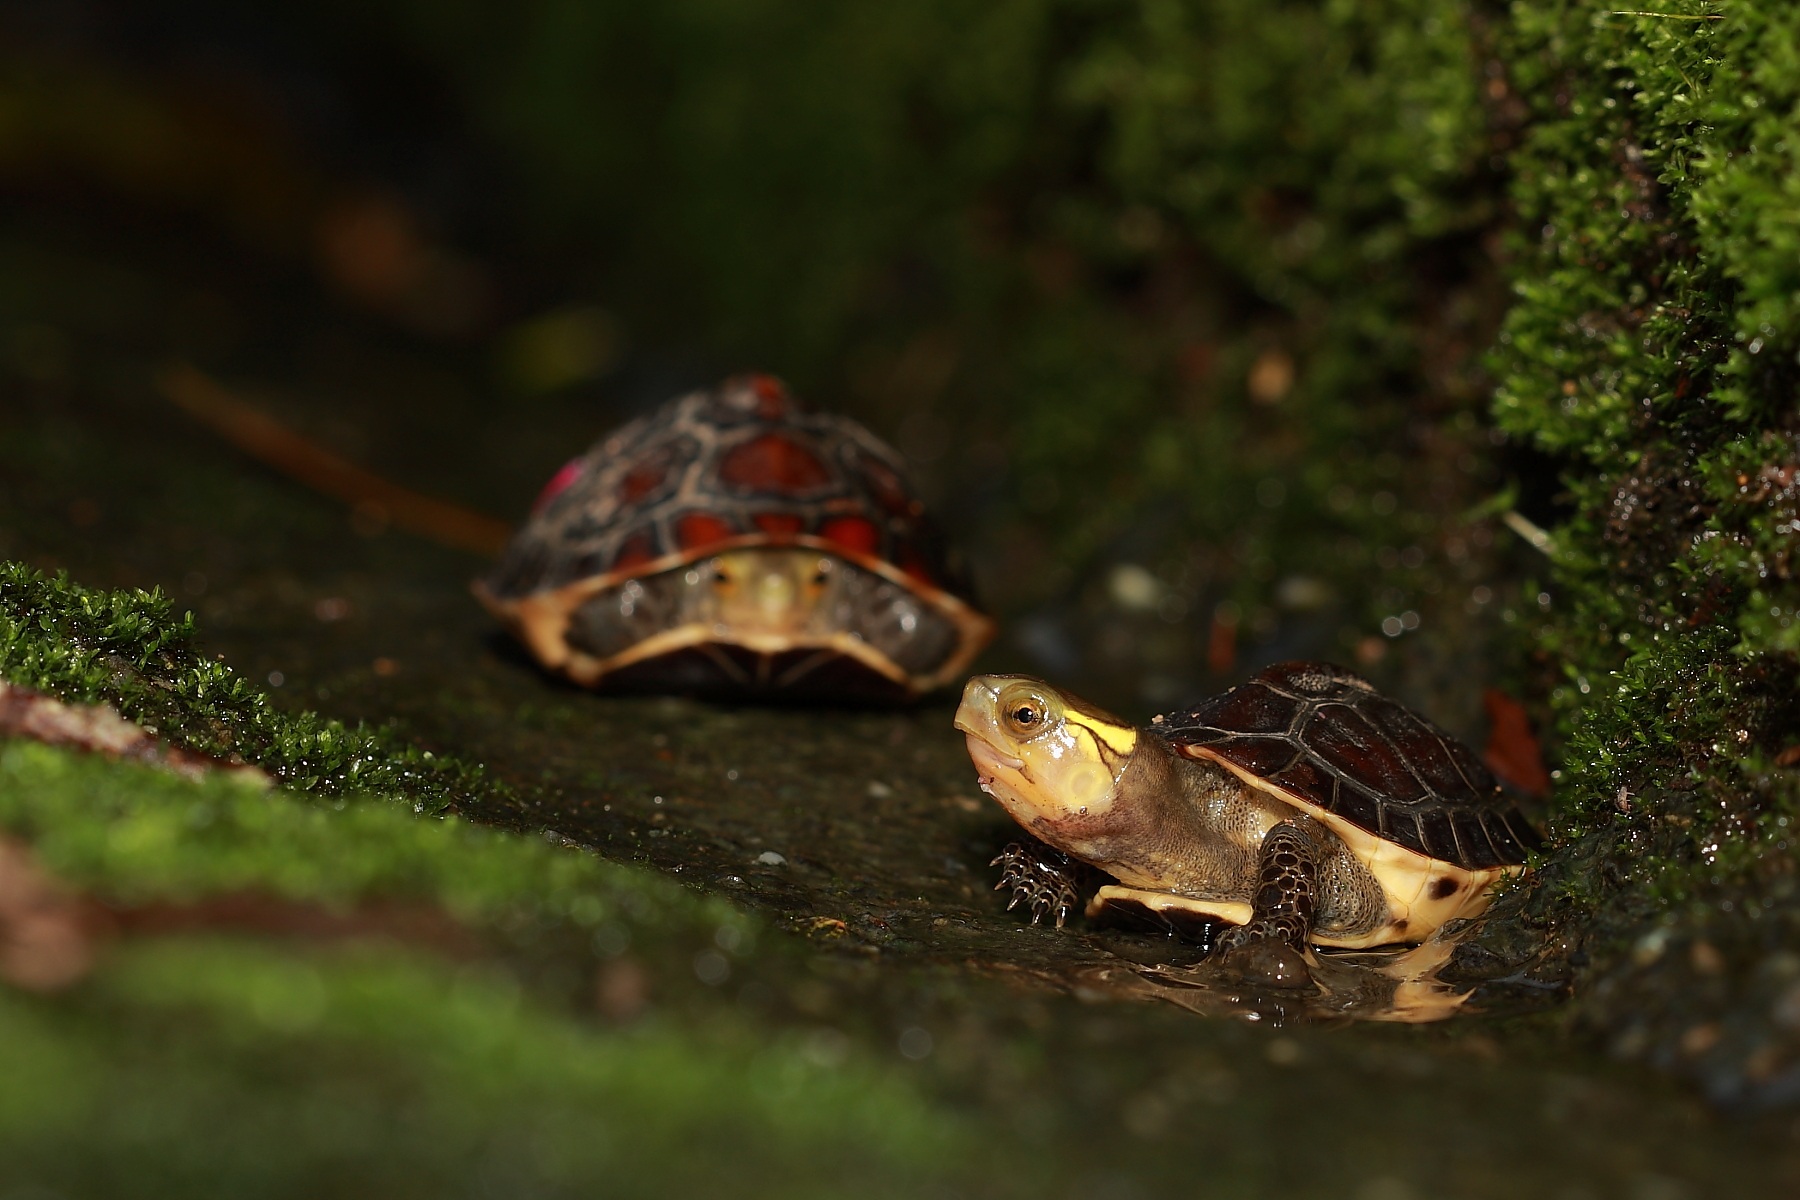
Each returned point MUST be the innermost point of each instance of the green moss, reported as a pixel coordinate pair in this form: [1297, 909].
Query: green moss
[1318, 168]
[133, 835]
[130, 649]
[1653, 348]
[1631, 349]
[364, 1072]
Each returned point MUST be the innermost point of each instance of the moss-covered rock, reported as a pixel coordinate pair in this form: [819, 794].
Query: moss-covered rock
[1652, 348]
[130, 650]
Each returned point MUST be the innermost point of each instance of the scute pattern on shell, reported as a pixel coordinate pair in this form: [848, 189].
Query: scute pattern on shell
[740, 464]
[1328, 737]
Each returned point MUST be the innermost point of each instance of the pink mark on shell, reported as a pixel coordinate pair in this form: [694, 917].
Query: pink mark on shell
[559, 483]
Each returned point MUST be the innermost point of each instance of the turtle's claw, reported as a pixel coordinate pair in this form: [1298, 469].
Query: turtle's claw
[1044, 885]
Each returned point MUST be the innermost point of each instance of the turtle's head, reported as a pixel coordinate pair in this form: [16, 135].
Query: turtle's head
[771, 591]
[1052, 760]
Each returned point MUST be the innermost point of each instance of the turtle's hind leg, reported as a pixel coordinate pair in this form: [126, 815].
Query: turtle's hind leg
[1045, 880]
[1273, 944]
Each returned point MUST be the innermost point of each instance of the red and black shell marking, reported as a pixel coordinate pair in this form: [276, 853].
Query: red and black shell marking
[631, 573]
[740, 465]
[1329, 738]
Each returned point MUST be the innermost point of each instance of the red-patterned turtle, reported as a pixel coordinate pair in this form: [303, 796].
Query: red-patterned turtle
[1301, 806]
[732, 543]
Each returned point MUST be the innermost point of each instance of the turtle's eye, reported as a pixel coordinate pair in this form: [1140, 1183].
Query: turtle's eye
[1025, 716]
[1026, 711]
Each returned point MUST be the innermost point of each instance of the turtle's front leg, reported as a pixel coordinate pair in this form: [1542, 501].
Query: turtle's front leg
[1286, 891]
[1041, 877]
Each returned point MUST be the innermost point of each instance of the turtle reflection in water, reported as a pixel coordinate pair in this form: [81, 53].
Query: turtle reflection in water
[1300, 808]
[733, 544]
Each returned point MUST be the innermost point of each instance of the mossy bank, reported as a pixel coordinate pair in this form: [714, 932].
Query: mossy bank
[1651, 348]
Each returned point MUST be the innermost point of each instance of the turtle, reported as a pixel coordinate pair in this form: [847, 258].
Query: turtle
[732, 543]
[1301, 808]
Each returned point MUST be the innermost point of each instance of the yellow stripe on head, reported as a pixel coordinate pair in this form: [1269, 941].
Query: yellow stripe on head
[1109, 732]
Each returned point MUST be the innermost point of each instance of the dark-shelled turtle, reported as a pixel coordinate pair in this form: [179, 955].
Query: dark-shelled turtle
[1300, 806]
[732, 543]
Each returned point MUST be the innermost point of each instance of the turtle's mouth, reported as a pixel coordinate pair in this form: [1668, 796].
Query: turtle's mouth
[1005, 778]
[989, 762]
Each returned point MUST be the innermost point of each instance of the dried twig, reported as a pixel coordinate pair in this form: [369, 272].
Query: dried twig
[268, 440]
[1535, 536]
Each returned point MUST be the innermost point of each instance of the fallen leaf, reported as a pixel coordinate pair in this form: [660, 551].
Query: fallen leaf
[1512, 751]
